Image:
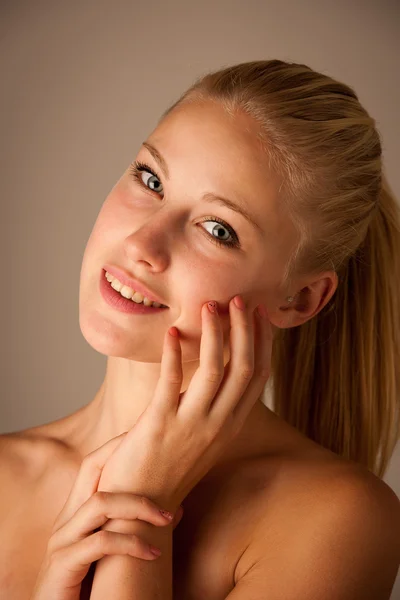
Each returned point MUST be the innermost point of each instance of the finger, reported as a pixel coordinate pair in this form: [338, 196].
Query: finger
[166, 395]
[206, 381]
[101, 507]
[87, 480]
[69, 565]
[262, 369]
[178, 517]
[240, 369]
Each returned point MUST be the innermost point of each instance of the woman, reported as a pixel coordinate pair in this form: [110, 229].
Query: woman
[261, 186]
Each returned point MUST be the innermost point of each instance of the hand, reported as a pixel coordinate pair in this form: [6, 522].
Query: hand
[179, 437]
[73, 545]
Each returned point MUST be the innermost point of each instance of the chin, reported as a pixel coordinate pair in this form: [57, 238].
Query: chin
[110, 340]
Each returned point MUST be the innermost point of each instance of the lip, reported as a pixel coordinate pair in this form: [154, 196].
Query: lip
[133, 283]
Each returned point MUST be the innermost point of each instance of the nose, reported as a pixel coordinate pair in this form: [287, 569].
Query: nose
[151, 241]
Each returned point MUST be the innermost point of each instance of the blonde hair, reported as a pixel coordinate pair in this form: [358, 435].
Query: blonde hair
[336, 378]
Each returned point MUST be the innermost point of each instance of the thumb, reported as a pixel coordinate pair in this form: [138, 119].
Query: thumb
[87, 479]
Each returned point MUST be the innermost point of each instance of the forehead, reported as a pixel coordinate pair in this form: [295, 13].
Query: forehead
[206, 130]
[222, 154]
[223, 150]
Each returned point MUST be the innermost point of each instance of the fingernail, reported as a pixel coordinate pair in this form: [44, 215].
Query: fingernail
[167, 514]
[212, 307]
[155, 551]
[261, 311]
[238, 300]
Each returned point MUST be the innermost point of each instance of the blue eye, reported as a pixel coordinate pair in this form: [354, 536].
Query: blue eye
[228, 243]
[136, 170]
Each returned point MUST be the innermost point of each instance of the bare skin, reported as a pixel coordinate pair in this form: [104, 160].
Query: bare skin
[223, 515]
[161, 231]
[251, 501]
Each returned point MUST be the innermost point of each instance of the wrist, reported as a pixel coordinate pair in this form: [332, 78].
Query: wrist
[163, 500]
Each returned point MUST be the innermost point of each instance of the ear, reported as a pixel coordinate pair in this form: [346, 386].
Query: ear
[311, 297]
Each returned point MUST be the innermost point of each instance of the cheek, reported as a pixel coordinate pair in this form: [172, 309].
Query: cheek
[198, 288]
[111, 218]
[114, 208]
[206, 281]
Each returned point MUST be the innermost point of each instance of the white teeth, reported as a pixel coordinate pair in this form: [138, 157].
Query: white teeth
[129, 293]
[116, 285]
[137, 297]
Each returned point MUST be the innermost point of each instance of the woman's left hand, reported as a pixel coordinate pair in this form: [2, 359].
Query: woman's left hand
[180, 436]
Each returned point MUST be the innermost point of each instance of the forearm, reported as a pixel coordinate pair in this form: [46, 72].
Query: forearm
[130, 578]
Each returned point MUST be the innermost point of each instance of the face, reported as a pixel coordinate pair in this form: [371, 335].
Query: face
[162, 230]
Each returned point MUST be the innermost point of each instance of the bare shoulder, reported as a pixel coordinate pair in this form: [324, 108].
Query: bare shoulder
[327, 486]
[25, 458]
[27, 453]
[331, 521]
[34, 486]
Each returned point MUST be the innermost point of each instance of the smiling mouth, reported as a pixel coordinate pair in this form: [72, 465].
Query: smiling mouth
[129, 293]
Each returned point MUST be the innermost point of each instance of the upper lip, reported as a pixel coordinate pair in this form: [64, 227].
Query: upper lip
[133, 283]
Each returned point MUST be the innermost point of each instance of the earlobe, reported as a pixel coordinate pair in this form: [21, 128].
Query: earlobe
[281, 317]
[282, 321]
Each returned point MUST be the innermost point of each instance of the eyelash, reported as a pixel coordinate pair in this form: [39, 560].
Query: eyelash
[138, 167]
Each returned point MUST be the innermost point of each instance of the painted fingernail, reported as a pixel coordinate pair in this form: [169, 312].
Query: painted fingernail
[212, 307]
[155, 551]
[238, 300]
[167, 514]
[261, 311]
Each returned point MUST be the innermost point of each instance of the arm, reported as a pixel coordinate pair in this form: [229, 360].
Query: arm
[130, 578]
[349, 550]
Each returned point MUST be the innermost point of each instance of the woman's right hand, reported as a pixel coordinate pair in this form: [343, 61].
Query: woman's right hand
[74, 544]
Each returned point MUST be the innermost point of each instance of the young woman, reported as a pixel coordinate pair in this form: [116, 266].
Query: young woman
[262, 186]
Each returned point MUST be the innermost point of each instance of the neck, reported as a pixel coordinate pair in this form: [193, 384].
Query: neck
[114, 411]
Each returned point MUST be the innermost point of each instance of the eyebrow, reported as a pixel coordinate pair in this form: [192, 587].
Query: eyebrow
[208, 196]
